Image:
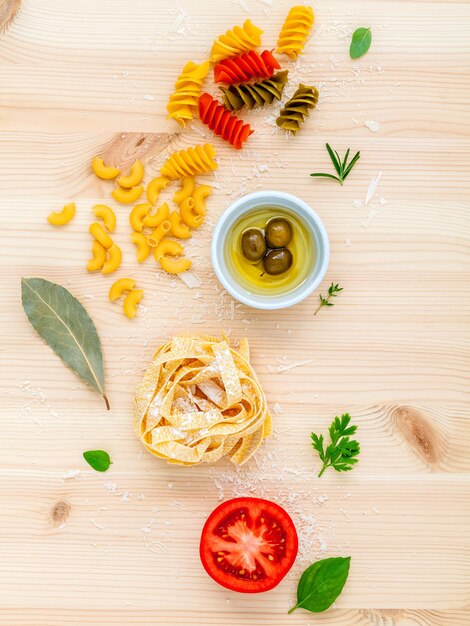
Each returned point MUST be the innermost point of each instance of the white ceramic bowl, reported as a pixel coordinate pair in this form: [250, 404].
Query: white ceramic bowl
[312, 223]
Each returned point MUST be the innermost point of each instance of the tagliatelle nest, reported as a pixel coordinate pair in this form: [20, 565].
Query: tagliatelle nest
[200, 400]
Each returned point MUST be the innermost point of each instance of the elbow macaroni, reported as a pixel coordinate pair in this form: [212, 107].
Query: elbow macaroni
[179, 230]
[130, 303]
[134, 178]
[187, 188]
[199, 197]
[99, 257]
[154, 187]
[143, 246]
[105, 172]
[157, 218]
[171, 265]
[127, 196]
[187, 214]
[157, 235]
[64, 217]
[101, 235]
[114, 261]
[105, 213]
[138, 214]
[119, 287]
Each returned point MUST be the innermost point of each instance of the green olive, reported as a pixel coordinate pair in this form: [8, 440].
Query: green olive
[253, 245]
[277, 261]
[278, 233]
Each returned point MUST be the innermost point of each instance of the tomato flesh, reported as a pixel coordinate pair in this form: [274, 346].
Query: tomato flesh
[248, 544]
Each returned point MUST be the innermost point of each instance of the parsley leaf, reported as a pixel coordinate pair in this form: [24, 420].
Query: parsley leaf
[341, 452]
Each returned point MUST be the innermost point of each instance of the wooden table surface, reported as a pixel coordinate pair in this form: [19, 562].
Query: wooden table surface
[88, 77]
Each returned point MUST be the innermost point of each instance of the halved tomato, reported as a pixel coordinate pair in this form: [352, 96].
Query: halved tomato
[248, 544]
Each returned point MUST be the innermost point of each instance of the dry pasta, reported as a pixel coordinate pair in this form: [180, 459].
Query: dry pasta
[233, 42]
[199, 198]
[183, 102]
[178, 229]
[200, 400]
[197, 160]
[161, 231]
[106, 214]
[189, 217]
[297, 108]
[134, 178]
[113, 261]
[119, 287]
[164, 253]
[143, 247]
[106, 172]
[161, 214]
[131, 301]
[254, 94]
[138, 215]
[187, 188]
[98, 232]
[295, 31]
[154, 187]
[64, 217]
[98, 258]
[127, 196]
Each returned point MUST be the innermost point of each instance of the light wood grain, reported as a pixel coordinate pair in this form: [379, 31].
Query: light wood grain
[121, 548]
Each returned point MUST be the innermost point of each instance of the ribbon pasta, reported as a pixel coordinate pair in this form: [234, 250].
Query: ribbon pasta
[200, 400]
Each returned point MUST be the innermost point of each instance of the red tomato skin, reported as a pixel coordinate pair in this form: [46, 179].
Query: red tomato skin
[205, 553]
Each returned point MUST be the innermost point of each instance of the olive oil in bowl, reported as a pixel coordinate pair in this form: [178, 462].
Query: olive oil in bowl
[259, 276]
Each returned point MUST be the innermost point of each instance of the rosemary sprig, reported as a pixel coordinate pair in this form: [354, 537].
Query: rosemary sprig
[333, 290]
[342, 167]
[341, 452]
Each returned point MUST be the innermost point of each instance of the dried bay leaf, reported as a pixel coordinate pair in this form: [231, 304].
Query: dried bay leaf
[63, 323]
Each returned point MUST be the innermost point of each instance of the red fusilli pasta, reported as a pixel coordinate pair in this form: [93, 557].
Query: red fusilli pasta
[245, 67]
[223, 123]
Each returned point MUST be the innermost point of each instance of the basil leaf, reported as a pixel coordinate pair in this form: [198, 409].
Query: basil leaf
[360, 42]
[98, 459]
[63, 323]
[321, 584]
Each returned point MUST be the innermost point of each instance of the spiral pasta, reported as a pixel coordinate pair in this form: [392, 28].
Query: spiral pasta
[297, 108]
[254, 94]
[247, 66]
[295, 31]
[228, 126]
[183, 101]
[200, 400]
[190, 162]
[239, 39]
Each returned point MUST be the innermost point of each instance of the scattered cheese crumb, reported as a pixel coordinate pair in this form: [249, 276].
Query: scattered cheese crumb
[73, 473]
[148, 97]
[374, 183]
[190, 280]
[372, 126]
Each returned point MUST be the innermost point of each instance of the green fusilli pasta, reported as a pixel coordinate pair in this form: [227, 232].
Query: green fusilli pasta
[293, 114]
[251, 95]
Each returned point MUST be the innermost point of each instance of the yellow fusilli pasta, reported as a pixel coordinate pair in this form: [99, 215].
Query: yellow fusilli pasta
[190, 162]
[239, 39]
[295, 31]
[184, 100]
